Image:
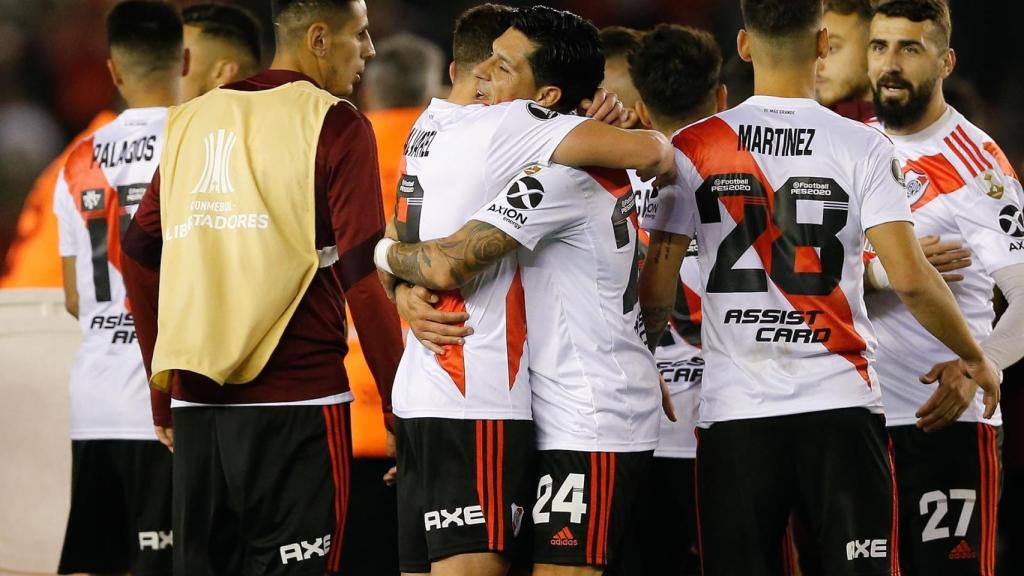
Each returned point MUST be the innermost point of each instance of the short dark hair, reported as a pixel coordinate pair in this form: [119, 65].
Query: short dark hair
[284, 7]
[290, 15]
[568, 53]
[676, 69]
[148, 29]
[404, 71]
[228, 22]
[475, 31]
[619, 41]
[780, 18]
[935, 11]
[861, 8]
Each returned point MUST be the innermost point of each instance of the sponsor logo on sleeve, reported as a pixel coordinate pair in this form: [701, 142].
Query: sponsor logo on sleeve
[539, 112]
[1011, 220]
[525, 193]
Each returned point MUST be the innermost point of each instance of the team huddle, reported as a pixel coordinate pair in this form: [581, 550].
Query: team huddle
[649, 333]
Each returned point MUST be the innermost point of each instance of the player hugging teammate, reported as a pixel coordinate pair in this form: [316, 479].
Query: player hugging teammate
[774, 201]
[650, 334]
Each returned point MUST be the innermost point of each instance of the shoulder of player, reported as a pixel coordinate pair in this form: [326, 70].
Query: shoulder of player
[690, 138]
[556, 177]
[975, 150]
[344, 118]
[870, 131]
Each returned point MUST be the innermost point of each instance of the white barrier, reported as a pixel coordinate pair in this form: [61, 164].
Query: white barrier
[38, 340]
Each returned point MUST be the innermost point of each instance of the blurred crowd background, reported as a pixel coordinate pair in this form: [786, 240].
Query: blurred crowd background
[53, 77]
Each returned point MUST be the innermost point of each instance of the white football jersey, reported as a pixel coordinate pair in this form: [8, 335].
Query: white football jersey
[779, 192]
[595, 385]
[678, 355]
[457, 158]
[961, 188]
[96, 196]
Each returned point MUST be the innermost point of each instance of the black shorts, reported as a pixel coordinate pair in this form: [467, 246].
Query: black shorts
[663, 539]
[948, 483]
[463, 486]
[260, 490]
[832, 467]
[120, 519]
[585, 504]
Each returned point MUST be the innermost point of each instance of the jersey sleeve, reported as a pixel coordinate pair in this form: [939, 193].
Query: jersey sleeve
[674, 208]
[883, 194]
[66, 213]
[993, 229]
[536, 205]
[527, 134]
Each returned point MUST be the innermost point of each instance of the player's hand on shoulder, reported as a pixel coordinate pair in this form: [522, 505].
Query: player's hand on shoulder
[433, 328]
[946, 257]
[606, 107]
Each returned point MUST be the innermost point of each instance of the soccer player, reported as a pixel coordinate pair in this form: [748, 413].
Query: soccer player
[468, 402]
[594, 387]
[676, 72]
[251, 345]
[220, 39]
[959, 186]
[781, 193]
[842, 81]
[224, 43]
[617, 43]
[120, 518]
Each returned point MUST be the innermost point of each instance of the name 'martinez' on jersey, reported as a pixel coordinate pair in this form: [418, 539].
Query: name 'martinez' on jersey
[778, 192]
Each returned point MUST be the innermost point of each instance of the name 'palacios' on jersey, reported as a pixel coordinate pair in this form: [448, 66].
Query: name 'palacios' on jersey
[775, 141]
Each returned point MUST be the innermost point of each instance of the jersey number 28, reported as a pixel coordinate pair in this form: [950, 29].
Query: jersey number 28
[802, 257]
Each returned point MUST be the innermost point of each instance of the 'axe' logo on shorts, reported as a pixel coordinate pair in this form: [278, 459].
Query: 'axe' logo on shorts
[867, 549]
[467, 516]
[155, 540]
[216, 178]
[305, 550]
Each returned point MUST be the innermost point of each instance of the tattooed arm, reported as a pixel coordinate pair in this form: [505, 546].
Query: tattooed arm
[659, 281]
[447, 263]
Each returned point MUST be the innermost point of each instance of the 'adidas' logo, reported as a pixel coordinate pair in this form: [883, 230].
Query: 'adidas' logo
[564, 538]
[963, 551]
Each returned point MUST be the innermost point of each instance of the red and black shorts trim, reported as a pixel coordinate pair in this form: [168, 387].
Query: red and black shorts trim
[949, 486]
[339, 445]
[464, 487]
[584, 505]
[260, 490]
